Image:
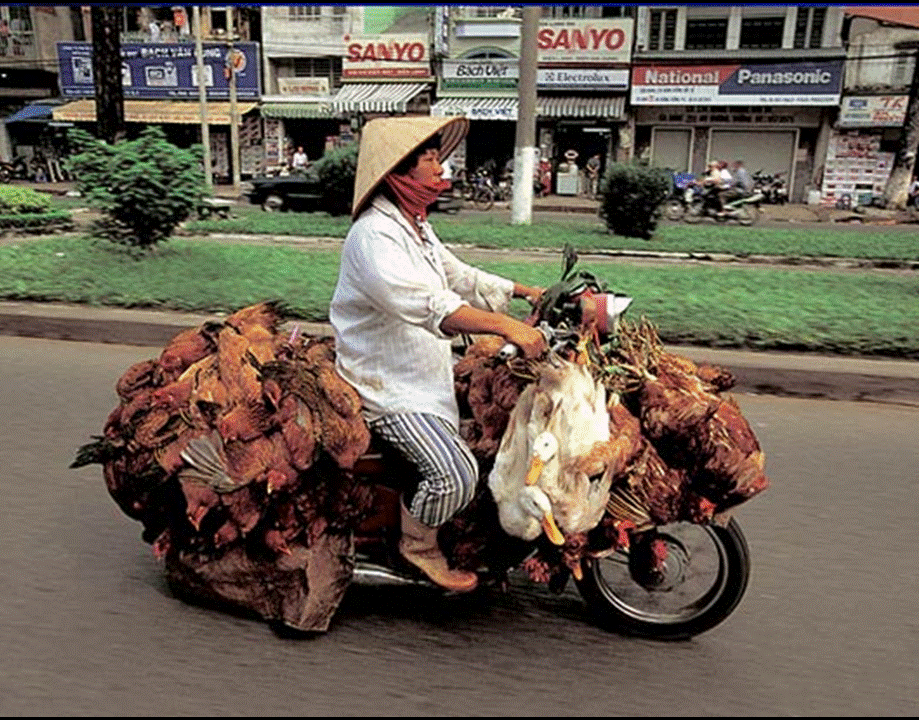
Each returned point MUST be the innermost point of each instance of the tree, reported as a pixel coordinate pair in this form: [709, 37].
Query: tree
[896, 191]
[107, 72]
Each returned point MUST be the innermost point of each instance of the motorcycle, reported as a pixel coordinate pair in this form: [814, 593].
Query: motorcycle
[15, 169]
[653, 550]
[682, 194]
[744, 209]
[772, 187]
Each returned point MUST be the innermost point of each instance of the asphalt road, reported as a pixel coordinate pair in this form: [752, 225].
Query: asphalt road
[828, 626]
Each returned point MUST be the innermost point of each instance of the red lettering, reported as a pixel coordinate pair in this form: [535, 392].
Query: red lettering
[354, 51]
[544, 39]
[561, 41]
[615, 39]
[416, 52]
[579, 39]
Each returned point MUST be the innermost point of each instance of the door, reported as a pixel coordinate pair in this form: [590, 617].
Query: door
[670, 148]
[771, 151]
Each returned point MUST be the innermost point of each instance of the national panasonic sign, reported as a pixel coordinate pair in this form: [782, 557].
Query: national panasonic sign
[805, 83]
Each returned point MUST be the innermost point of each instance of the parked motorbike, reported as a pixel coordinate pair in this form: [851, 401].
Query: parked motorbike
[15, 169]
[772, 187]
[450, 201]
[744, 210]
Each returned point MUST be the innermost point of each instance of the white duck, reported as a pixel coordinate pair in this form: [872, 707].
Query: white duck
[524, 510]
[555, 443]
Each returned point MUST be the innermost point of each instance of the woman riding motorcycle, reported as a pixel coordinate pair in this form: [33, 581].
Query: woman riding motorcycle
[400, 298]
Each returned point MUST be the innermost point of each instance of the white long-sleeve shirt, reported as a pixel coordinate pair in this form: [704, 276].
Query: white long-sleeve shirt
[394, 290]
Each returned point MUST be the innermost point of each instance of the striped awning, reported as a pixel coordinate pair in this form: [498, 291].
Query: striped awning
[155, 111]
[297, 109]
[477, 108]
[505, 108]
[575, 106]
[376, 97]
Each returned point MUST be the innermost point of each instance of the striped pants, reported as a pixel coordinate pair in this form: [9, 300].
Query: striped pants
[449, 471]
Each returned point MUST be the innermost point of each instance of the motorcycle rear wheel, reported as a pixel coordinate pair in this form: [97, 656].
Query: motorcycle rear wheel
[747, 214]
[703, 580]
[694, 213]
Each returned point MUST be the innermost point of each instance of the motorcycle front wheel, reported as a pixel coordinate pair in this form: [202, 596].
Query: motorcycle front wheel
[483, 199]
[701, 582]
[674, 209]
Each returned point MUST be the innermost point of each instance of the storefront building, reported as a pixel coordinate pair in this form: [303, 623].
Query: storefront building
[582, 83]
[769, 100]
[160, 86]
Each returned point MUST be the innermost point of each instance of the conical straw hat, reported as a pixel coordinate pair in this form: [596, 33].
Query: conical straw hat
[385, 142]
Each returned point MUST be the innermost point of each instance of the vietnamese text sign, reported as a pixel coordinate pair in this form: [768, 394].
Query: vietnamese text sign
[873, 111]
[802, 83]
[163, 70]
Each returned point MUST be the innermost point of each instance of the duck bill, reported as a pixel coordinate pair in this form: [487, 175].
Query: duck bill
[551, 530]
[536, 466]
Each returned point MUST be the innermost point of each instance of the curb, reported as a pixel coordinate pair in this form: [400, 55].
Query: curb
[782, 374]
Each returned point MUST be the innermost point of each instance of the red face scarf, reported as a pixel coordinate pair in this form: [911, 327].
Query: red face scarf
[413, 196]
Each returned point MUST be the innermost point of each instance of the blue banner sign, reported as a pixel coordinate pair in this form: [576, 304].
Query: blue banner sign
[165, 70]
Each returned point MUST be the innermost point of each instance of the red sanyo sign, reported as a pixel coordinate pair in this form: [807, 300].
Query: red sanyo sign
[585, 40]
[386, 56]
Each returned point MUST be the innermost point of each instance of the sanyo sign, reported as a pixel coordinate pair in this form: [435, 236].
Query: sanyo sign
[585, 40]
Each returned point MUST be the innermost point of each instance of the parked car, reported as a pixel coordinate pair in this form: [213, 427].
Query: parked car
[299, 192]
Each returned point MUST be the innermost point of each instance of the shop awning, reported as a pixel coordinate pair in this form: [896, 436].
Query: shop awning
[571, 106]
[505, 108]
[297, 109]
[155, 111]
[376, 97]
[477, 108]
[35, 112]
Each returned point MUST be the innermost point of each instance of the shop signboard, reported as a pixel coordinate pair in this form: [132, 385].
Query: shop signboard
[873, 111]
[800, 83]
[585, 41]
[314, 86]
[164, 70]
[503, 73]
[386, 57]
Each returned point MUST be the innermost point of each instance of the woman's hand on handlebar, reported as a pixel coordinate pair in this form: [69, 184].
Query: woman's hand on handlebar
[530, 340]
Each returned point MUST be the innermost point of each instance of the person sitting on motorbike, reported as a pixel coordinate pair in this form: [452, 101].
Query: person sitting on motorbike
[400, 298]
[714, 185]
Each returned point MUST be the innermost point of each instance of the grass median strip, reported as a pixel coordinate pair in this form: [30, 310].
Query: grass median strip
[588, 233]
[762, 308]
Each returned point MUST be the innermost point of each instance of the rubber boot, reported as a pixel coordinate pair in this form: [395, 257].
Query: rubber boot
[419, 546]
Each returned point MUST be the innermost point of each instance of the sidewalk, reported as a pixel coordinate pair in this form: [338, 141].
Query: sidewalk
[767, 373]
[790, 212]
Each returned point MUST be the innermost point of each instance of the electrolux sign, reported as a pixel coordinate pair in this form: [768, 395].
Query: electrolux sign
[164, 70]
[802, 83]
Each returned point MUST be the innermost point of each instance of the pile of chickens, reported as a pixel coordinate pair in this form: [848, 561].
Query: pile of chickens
[233, 449]
[667, 444]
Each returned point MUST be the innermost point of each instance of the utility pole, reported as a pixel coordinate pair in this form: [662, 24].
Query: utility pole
[525, 142]
[202, 97]
[107, 72]
[234, 110]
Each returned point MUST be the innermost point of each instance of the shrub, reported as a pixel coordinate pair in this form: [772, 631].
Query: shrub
[144, 187]
[336, 170]
[16, 200]
[632, 198]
